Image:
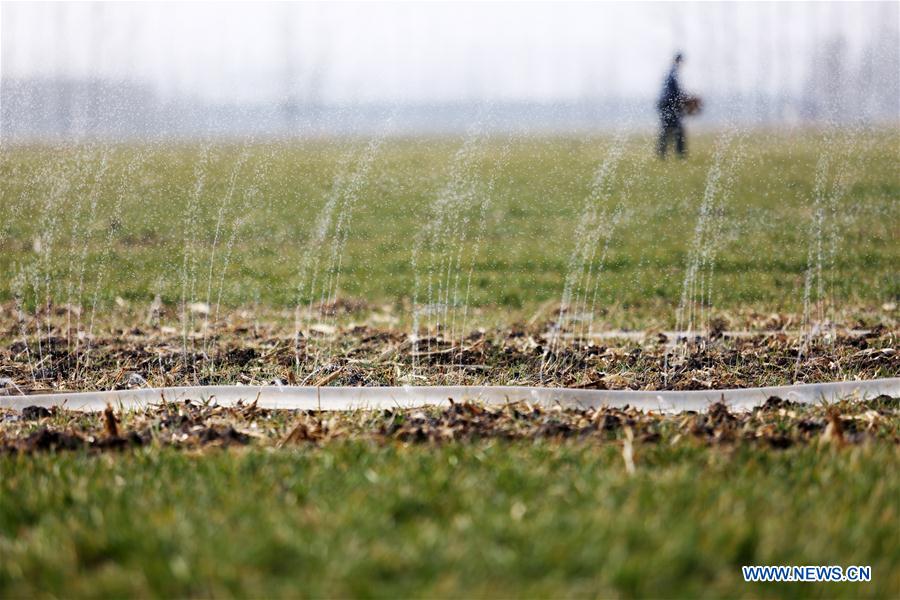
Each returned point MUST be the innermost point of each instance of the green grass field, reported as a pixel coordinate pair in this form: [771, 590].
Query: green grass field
[144, 227]
[493, 224]
[447, 502]
[535, 519]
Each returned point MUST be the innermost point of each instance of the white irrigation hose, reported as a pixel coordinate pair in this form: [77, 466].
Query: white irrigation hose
[674, 336]
[352, 398]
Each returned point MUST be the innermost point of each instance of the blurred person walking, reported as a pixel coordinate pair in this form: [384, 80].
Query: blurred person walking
[671, 105]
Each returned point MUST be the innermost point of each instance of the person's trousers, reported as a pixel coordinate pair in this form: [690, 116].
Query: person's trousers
[671, 129]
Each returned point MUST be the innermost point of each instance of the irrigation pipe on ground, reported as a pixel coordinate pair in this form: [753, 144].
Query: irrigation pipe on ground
[354, 398]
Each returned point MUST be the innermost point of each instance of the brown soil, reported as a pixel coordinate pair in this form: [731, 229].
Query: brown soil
[778, 424]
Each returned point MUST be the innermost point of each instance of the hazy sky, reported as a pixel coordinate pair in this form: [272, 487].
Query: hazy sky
[394, 51]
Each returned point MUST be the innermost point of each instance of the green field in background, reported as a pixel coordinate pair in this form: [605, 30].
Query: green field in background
[126, 210]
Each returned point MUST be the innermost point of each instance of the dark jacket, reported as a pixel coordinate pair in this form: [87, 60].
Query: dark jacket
[669, 103]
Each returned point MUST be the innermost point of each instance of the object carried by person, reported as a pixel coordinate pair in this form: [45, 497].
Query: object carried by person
[691, 105]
